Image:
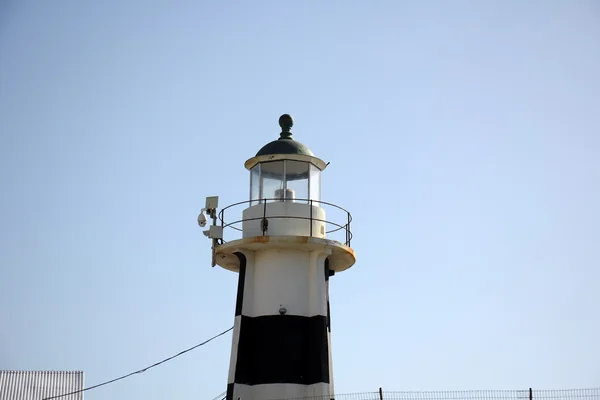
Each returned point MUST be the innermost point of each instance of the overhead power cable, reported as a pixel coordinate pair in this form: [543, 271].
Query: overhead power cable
[139, 371]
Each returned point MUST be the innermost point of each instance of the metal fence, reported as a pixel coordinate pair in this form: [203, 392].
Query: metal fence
[338, 223]
[526, 394]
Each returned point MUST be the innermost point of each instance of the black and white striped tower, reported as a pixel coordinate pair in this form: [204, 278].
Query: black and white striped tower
[281, 338]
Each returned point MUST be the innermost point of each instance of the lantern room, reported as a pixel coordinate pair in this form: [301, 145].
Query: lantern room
[291, 180]
[285, 171]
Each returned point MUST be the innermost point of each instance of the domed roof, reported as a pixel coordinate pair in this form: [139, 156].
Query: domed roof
[285, 144]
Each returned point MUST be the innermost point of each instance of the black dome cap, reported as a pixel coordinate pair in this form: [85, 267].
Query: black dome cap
[285, 144]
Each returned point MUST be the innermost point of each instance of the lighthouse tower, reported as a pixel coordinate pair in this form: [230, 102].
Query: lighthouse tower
[287, 253]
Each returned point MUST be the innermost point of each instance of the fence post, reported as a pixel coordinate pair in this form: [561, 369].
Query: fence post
[530, 394]
[380, 394]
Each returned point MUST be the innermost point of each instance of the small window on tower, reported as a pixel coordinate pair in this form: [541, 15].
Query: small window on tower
[255, 184]
[296, 177]
[272, 180]
[315, 183]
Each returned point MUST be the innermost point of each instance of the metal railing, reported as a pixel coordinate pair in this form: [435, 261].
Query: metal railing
[524, 394]
[344, 226]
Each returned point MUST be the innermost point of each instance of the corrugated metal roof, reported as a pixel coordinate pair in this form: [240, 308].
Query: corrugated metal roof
[36, 385]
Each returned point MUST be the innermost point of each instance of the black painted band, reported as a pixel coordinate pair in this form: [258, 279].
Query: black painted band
[229, 395]
[282, 349]
[240, 289]
[328, 316]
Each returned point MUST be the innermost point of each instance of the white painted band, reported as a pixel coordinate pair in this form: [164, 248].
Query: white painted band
[285, 278]
[277, 391]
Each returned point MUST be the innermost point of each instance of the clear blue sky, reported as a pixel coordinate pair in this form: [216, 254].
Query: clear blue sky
[463, 136]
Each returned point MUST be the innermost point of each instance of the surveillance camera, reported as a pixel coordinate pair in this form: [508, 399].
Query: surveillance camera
[202, 220]
[282, 310]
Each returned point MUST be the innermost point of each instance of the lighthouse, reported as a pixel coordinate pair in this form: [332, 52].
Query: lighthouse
[288, 250]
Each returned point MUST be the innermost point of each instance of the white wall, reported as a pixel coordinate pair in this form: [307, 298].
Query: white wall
[284, 226]
[288, 278]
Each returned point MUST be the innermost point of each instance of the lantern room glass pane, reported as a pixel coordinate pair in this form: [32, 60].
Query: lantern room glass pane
[255, 184]
[296, 178]
[272, 180]
[315, 183]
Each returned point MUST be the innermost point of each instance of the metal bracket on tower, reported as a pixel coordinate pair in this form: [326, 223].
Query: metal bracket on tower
[214, 232]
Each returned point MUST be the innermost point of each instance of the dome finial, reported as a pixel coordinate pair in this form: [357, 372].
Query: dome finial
[286, 122]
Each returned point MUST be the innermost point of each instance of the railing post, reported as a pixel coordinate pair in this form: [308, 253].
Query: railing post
[380, 394]
[264, 220]
[311, 216]
[348, 232]
[530, 394]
